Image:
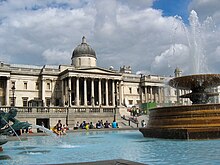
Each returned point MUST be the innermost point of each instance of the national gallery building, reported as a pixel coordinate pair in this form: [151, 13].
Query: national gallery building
[79, 87]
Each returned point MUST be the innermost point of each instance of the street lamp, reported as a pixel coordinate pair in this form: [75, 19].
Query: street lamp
[68, 105]
[115, 106]
[13, 95]
[116, 101]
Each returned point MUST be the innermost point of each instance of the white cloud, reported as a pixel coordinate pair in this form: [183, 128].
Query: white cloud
[52, 56]
[122, 32]
[206, 8]
[175, 56]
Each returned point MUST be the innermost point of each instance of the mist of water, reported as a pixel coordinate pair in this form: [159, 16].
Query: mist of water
[46, 130]
[50, 133]
[196, 44]
[195, 34]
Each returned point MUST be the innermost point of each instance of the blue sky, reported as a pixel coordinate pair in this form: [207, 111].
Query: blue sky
[173, 7]
[143, 34]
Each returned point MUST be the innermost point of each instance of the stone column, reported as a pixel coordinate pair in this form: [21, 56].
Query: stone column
[141, 94]
[62, 91]
[113, 93]
[7, 92]
[43, 91]
[151, 93]
[100, 92]
[159, 100]
[155, 94]
[146, 98]
[77, 91]
[92, 92]
[162, 95]
[120, 92]
[106, 91]
[85, 92]
[70, 91]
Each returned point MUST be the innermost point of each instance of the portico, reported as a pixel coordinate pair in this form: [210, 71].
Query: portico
[88, 90]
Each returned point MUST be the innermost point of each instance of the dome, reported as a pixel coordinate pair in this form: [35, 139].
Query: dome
[83, 50]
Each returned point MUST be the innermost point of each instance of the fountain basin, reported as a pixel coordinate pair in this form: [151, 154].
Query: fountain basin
[198, 84]
[195, 81]
[198, 121]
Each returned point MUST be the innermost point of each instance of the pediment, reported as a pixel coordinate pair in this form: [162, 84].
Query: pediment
[97, 70]
[91, 72]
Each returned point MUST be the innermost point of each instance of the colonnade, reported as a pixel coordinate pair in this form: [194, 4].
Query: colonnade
[5, 91]
[153, 94]
[88, 91]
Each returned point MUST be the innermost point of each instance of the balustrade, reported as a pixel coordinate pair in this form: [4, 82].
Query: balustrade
[58, 110]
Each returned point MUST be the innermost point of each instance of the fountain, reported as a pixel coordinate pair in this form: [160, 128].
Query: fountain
[5, 128]
[196, 121]
[199, 120]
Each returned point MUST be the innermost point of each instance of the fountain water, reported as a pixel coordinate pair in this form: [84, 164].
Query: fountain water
[49, 132]
[46, 130]
[196, 44]
[197, 121]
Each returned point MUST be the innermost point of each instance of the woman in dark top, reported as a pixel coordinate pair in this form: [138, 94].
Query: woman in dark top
[59, 127]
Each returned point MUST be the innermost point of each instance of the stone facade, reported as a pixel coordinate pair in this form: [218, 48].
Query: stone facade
[79, 85]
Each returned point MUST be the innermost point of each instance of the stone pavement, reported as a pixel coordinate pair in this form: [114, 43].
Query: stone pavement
[105, 162]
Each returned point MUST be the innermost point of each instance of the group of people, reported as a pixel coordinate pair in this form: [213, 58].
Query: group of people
[100, 124]
[60, 129]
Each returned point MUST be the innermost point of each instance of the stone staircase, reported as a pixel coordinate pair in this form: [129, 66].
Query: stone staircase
[128, 121]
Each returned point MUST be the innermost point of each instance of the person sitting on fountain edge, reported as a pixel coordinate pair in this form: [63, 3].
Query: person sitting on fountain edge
[114, 124]
[59, 127]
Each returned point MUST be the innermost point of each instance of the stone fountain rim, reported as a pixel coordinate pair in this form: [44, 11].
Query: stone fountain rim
[183, 81]
[187, 106]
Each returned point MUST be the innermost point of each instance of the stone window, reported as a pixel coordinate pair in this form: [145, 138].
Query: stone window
[48, 86]
[25, 85]
[130, 90]
[37, 86]
[79, 61]
[130, 102]
[47, 102]
[25, 101]
[12, 84]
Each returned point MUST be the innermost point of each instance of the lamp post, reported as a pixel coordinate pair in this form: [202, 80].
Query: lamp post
[13, 95]
[116, 101]
[68, 105]
[116, 104]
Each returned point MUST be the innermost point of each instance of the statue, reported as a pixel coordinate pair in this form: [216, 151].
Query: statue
[5, 128]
